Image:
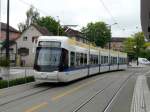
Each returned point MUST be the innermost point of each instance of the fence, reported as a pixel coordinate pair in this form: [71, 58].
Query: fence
[16, 73]
[13, 58]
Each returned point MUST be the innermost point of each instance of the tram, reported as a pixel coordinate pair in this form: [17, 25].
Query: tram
[62, 59]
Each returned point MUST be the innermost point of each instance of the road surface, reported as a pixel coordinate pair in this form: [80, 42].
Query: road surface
[108, 92]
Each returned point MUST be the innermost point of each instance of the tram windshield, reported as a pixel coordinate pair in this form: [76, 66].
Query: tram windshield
[47, 59]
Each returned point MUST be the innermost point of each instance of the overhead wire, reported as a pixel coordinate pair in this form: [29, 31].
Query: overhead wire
[39, 10]
[110, 14]
[43, 12]
[101, 1]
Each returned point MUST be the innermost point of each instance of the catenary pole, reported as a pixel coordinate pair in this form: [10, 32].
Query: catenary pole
[7, 32]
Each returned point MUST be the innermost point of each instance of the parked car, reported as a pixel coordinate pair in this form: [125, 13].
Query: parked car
[144, 61]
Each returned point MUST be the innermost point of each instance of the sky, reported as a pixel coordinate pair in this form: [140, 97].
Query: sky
[126, 13]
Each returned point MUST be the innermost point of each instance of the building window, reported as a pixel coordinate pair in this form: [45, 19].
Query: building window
[23, 51]
[34, 39]
[25, 38]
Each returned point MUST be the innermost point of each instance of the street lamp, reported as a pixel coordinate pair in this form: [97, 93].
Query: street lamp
[109, 45]
[58, 25]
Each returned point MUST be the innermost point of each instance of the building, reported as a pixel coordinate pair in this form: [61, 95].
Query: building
[13, 33]
[116, 43]
[77, 35]
[145, 17]
[13, 36]
[26, 44]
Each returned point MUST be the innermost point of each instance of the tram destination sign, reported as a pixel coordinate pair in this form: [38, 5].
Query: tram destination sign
[49, 44]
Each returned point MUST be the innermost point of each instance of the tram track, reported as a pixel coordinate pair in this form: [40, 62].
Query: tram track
[31, 92]
[16, 89]
[85, 101]
[116, 93]
[77, 109]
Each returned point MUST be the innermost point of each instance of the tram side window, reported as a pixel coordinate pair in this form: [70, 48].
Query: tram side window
[102, 59]
[81, 59]
[114, 60]
[105, 59]
[122, 60]
[126, 61]
[111, 60]
[72, 59]
[78, 59]
[93, 59]
[96, 59]
[85, 59]
[64, 62]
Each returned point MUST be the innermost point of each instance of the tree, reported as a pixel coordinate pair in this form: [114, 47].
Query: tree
[51, 24]
[139, 40]
[134, 45]
[97, 32]
[129, 44]
[32, 16]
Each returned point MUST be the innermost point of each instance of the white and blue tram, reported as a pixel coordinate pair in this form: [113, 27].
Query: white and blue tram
[61, 59]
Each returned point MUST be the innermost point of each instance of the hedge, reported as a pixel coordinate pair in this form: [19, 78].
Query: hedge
[14, 82]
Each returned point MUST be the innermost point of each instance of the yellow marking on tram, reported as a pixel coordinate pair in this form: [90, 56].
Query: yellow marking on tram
[57, 97]
[37, 107]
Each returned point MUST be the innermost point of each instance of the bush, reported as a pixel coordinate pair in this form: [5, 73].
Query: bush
[4, 62]
[14, 82]
[3, 84]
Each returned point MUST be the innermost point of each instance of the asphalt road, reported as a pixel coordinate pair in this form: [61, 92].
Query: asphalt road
[108, 92]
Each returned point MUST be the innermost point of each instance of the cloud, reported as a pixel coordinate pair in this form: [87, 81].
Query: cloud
[80, 12]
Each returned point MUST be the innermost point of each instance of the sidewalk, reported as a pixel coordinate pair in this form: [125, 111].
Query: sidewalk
[141, 95]
[146, 95]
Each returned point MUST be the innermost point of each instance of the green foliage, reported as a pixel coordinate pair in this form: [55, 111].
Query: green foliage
[129, 45]
[33, 17]
[97, 32]
[14, 82]
[139, 39]
[51, 24]
[3, 84]
[4, 62]
[147, 44]
[145, 53]
[135, 45]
